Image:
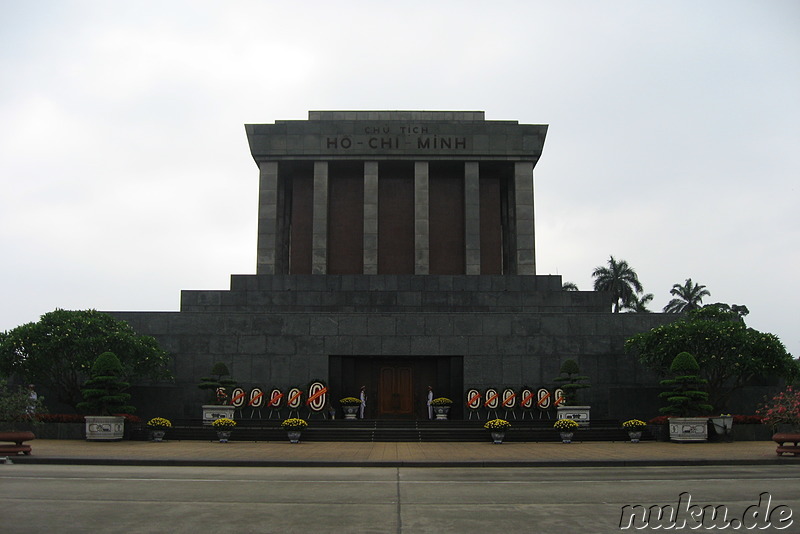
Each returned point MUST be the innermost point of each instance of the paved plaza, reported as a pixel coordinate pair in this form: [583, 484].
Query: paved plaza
[356, 487]
[354, 500]
[399, 454]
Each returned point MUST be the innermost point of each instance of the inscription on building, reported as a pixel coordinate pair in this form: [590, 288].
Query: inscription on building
[434, 135]
[426, 142]
[394, 137]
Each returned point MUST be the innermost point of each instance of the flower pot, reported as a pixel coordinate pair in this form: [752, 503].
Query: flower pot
[223, 435]
[497, 437]
[566, 437]
[158, 435]
[441, 412]
[294, 436]
[723, 427]
[350, 412]
[686, 429]
[635, 435]
[104, 428]
[579, 414]
[212, 412]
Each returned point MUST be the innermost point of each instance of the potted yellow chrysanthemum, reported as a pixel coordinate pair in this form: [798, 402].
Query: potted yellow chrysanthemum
[158, 427]
[441, 407]
[294, 426]
[497, 427]
[634, 428]
[567, 428]
[224, 427]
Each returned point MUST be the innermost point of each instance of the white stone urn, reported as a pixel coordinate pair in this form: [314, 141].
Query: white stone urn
[688, 429]
[441, 411]
[104, 427]
[579, 414]
[350, 412]
[212, 412]
[723, 426]
[635, 435]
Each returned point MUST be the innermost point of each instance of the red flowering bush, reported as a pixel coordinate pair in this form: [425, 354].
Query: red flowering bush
[77, 418]
[737, 420]
[129, 418]
[660, 420]
[747, 420]
[60, 417]
[783, 409]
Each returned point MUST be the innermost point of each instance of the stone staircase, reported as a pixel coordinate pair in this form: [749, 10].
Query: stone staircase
[372, 430]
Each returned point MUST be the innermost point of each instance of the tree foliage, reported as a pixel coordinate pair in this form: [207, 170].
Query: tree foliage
[688, 297]
[104, 393]
[638, 304]
[212, 384]
[618, 278]
[58, 351]
[728, 352]
[16, 404]
[684, 397]
[570, 381]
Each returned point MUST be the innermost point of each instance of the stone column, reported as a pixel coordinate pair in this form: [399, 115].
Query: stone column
[267, 217]
[370, 217]
[421, 228]
[472, 217]
[523, 200]
[319, 231]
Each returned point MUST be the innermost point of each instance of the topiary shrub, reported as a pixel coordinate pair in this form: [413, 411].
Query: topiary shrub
[684, 396]
[104, 393]
[217, 380]
[570, 381]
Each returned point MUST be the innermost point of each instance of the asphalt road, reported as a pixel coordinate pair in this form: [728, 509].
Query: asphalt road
[65, 499]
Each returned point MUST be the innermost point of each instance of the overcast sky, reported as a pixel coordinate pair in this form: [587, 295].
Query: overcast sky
[674, 138]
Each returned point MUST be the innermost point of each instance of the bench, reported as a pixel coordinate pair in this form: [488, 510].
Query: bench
[18, 439]
[784, 438]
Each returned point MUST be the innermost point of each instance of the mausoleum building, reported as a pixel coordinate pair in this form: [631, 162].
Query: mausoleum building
[396, 250]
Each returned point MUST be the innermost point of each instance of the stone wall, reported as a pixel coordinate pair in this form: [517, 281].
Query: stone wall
[510, 331]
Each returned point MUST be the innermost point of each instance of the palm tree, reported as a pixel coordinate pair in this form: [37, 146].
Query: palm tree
[638, 304]
[569, 286]
[619, 278]
[690, 297]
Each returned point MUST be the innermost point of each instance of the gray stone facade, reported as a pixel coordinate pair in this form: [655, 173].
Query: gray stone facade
[283, 328]
[509, 331]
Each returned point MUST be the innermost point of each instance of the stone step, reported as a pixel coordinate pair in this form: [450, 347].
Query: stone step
[389, 431]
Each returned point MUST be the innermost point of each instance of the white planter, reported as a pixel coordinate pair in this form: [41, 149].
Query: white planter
[350, 412]
[688, 428]
[441, 412]
[212, 412]
[104, 428]
[497, 437]
[579, 414]
[723, 426]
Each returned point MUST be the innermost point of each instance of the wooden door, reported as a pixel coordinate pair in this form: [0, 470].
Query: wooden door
[396, 391]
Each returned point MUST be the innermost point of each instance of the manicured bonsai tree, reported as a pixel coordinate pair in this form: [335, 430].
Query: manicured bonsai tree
[217, 380]
[684, 396]
[571, 381]
[104, 393]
